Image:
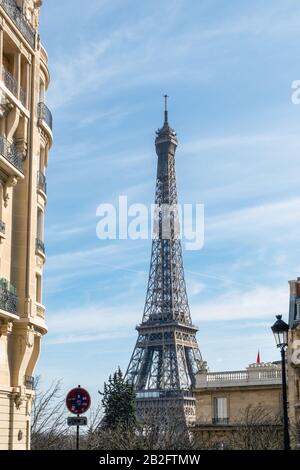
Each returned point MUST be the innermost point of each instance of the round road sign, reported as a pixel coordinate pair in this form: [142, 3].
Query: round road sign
[78, 401]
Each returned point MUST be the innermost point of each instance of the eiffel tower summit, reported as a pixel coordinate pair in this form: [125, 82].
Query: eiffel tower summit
[166, 356]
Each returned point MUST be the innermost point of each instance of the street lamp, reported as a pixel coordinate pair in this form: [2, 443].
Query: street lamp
[280, 330]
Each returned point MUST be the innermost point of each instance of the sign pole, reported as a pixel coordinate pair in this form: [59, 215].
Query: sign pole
[78, 401]
[77, 437]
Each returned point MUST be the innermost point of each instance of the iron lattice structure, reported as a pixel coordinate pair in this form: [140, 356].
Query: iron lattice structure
[166, 356]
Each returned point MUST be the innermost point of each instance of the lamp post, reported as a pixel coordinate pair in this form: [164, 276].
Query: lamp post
[280, 330]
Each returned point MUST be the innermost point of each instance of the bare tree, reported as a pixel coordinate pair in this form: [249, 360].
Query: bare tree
[94, 423]
[295, 435]
[258, 429]
[150, 434]
[48, 428]
[255, 428]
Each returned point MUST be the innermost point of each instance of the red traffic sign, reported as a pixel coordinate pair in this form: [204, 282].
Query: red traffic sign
[78, 401]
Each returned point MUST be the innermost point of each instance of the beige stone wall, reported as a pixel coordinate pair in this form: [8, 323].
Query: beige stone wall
[238, 400]
[294, 384]
[26, 137]
[4, 419]
[15, 412]
[210, 434]
[293, 362]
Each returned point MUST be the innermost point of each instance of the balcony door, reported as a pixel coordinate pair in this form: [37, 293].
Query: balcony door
[220, 410]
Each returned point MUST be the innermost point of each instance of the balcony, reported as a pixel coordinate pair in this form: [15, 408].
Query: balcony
[254, 375]
[11, 154]
[220, 421]
[39, 246]
[29, 382]
[41, 182]
[228, 377]
[16, 15]
[8, 297]
[44, 114]
[40, 310]
[9, 81]
[12, 84]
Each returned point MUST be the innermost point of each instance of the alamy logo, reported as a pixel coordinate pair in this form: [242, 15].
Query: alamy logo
[296, 93]
[140, 222]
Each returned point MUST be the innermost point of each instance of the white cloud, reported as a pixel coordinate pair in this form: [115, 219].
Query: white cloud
[100, 322]
[128, 56]
[198, 145]
[78, 73]
[86, 338]
[275, 220]
[83, 258]
[92, 323]
[256, 303]
[195, 287]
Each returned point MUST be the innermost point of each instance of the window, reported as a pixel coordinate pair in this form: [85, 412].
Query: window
[42, 160]
[220, 412]
[25, 74]
[42, 92]
[8, 63]
[38, 288]
[40, 224]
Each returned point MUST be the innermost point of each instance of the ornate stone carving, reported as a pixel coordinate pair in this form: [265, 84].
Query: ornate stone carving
[21, 136]
[40, 261]
[18, 401]
[44, 137]
[30, 336]
[31, 9]
[5, 327]
[295, 349]
[10, 183]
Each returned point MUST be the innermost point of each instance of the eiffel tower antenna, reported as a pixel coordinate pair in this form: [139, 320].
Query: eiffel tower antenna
[166, 356]
[166, 108]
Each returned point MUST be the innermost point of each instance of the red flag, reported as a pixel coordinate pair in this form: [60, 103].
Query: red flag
[258, 358]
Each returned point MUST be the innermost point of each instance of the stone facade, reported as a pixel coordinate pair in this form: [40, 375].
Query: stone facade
[25, 140]
[222, 398]
[294, 361]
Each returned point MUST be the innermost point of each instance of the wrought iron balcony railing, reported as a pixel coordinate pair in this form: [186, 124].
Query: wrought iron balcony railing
[29, 382]
[221, 421]
[16, 15]
[2, 227]
[41, 182]
[40, 246]
[11, 153]
[8, 297]
[45, 114]
[11, 83]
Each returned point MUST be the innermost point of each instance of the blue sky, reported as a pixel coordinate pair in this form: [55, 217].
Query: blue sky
[228, 68]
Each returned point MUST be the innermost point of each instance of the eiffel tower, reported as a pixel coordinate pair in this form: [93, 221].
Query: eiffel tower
[166, 356]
